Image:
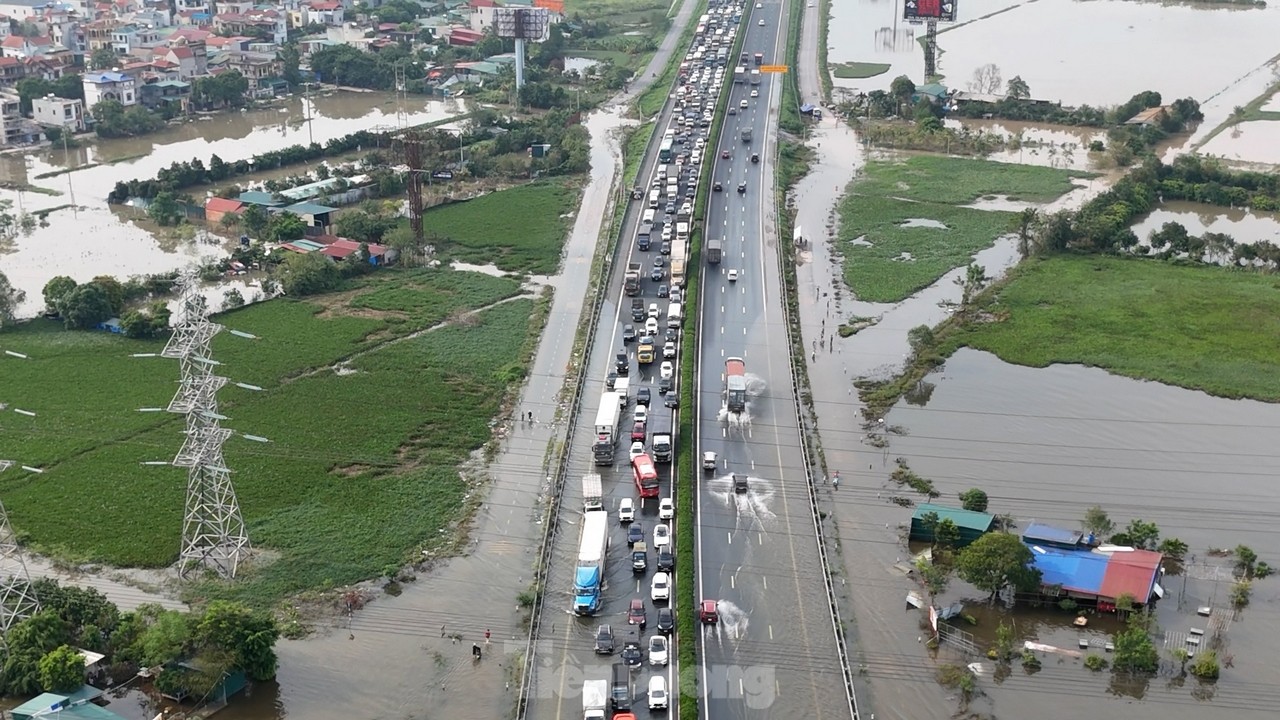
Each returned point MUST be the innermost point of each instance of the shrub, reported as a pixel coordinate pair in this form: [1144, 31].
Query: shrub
[1206, 666]
[1095, 662]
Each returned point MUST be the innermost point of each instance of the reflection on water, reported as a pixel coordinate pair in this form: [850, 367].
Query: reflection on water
[1255, 141]
[1246, 226]
[1058, 146]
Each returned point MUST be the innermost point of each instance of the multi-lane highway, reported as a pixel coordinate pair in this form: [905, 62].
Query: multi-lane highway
[773, 652]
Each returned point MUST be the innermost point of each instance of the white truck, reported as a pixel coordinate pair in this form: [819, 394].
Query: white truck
[606, 428]
[622, 386]
[592, 492]
[588, 578]
[595, 699]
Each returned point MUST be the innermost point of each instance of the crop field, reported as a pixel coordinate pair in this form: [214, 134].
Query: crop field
[903, 225]
[370, 404]
[521, 229]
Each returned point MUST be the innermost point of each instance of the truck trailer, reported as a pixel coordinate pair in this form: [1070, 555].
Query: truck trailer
[588, 578]
[715, 247]
[592, 492]
[606, 428]
[595, 699]
[735, 384]
[631, 281]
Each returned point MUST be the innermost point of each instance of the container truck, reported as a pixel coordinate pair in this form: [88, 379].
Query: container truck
[735, 384]
[662, 446]
[588, 579]
[592, 492]
[715, 246]
[595, 699]
[606, 428]
[631, 281]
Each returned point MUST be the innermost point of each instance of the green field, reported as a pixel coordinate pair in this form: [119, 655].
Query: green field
[521, 229]
[361, 470]
[859, 70]
[1200, 327]
[896, 206]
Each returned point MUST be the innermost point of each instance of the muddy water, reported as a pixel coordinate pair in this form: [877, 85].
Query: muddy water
[1046, 146]
[1046, 444]
[1246, 226]
[88, 239]
[1257, 141]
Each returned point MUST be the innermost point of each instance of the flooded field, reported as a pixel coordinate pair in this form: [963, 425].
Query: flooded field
[1057, 146]
[1246, 226]
[1256, 141]
[84, 238]
[1048, 443]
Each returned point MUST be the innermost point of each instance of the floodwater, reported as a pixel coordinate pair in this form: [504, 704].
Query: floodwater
[1056, 146]
[1246, 226]
[85, 238]
[1256, 141]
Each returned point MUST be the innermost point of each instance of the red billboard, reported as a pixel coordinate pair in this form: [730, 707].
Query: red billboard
[944, 10]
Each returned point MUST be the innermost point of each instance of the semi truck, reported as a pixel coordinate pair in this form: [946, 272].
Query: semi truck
[595, 699]
[592, 492]
[606, 428]
[663, 447]
[588, 579]
[715, 246]
[735, 384]
[631, 281]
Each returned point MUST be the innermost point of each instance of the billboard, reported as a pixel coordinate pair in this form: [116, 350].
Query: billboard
[530, 24]
[944, 10]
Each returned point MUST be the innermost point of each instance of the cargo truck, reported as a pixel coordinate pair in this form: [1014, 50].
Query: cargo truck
[677, 273]
[755, 77]
[622, 386]
[662, 446]
[620, 694]
[759, 58]
[735, 384]
[606, 428]
[631, 281]
[645, 236]
[588, 578]
[740, 74]
[715, 246]
[595, 699]
[645, 351]
[592, 492]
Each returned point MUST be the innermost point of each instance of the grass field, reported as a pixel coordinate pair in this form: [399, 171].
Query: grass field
[1199, 327]
[521, 229]
[859, 70]
[362, 467]
[894, 208]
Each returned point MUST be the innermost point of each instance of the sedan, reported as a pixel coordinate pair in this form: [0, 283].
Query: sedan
[670, 209]
[658, 650]
[628, 333]
[657, 275]
[672, 401]
[626, 511]
[660, 587]
[742, 187]
[666, 559]
[669, 350]
[666, 370]
[755, 93]
[636, 613]
[661, 535]
[666, 620]
[637, 449]
[635, 533]
[643, 397]
[761, 23]
[666, 508]
[717, 186]
[743, 104]
[604, 640]
[733, 111]
[663, 291]
[632, 655]
[732, 275]
[724, 154]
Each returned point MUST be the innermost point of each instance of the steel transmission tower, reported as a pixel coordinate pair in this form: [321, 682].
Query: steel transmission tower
[213, 532]
[17, 599]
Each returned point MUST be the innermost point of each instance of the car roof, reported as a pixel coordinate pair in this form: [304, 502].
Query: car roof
[637, 602]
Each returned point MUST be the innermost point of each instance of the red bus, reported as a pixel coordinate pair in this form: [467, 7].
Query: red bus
[646, 476]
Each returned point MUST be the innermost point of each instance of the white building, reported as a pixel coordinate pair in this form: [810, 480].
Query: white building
[99, 86]
[54, 111]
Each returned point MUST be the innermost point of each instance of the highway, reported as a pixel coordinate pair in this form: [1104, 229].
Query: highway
[773, 652]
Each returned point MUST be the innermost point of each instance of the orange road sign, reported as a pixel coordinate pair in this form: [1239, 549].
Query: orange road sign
[773, 68]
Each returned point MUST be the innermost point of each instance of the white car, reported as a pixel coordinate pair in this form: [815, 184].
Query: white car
[658, 649]
[666, 509]
[755, 93]
[669, 350]
[627, 510]
[657, 692]
[660, 588]
[733, 275]
[761, 22]
[661, 535]
[759, 5]
[642, 414]
[651, 325]
[666, 370]
[653, 310]
[743, 104]
[637, 449]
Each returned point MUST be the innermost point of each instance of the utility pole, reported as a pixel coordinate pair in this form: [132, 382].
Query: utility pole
[17, 598]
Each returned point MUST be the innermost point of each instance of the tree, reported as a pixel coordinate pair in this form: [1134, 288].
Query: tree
[1173, 548]
[165, 210]
[1246, 560]
[367, 224]
[974, 499]
[28, 642]
[255, 219]
[283, 227]
[248, 636]
[1018, 88]
[975, 276]
[62, 670]
[146, 323]
[1134, 651]
[165, 638]
[921, 338]
[1140, 534]
[902, 88]
[115, 121]
[232, 299]
[995, 561]
[308, 274]
[55, 291]
[986, 80]
[104, 58]
[89, 615]
[1206, 665]
[86, 306]
[1097, 522]
[290, 59]
[946, 536]
[10, 298]
[114, 290]
[933, 576]
[1024, 223]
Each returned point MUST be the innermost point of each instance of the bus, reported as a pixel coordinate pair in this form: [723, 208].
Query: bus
[646, 476]
[664, 151]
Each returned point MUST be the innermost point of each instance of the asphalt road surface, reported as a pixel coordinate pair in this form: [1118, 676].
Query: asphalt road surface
[773, 652]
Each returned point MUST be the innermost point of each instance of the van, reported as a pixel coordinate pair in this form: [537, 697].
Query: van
[682, 231]
[654, 195]
[673, 315]
[658, 692]
[648, 217]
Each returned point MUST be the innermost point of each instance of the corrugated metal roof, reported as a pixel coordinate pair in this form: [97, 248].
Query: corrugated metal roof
[1078, 570]
[1131, 573]
[981, 522]
[308, 208]
[1039, 532]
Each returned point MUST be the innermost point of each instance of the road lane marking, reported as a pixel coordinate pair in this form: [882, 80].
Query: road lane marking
[770, 632]
[765, 581]
[730, 536]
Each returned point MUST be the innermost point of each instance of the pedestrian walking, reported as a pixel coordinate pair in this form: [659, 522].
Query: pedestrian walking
[835, 481]
[486, 636]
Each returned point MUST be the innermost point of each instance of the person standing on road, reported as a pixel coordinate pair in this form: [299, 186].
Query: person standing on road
[486, 636]
[835, 481]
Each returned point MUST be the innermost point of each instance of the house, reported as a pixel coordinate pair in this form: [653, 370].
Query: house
[481, 14]
[1150, 117]
[216, 208]
[154, 95]
[21, 10]
[53, 111]
[74, 706]
[341, 248]
[933, 92]
[191, 57]
[329, 12]
[462, 36]
[257, 197]
[11, 71]
[972, 525]
[258, 68]
[1098, 575]
[16, 129]
[314, 215]
[25, 47]
[302, 246]
[99, 86]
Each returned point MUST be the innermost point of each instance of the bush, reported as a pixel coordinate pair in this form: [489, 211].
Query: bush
[1206, 666]
[1095, 662]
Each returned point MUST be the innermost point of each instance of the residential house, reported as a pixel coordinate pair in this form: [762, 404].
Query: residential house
[256, 197]
[99, 86]
[193, 18]
[269, 24]
[218, 43]
[935, 93]
[191, 57]
[314, 215]
[482, 12]
[97, 35]
[24, 47]
[341, 248]
[216, 208]
[1072, 567]
[258, 68]
[14, 128]
[972, 525]
[152, 18]
[161, 93]
[199, 6]
[11, 71]
[127, 38]
[53, 111]
[1150, 117]
[71, 706]
[21, 10]
[222, 7]
[465, 37]
[328, 12]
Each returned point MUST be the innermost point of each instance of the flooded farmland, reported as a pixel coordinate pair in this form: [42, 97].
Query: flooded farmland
[84, 238]
[1246, 226]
